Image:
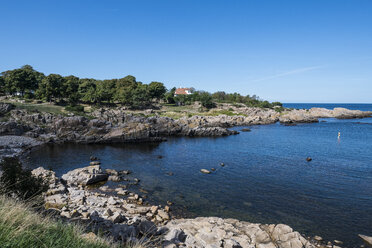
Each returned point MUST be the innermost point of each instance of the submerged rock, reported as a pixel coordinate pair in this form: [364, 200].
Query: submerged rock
[93, 158]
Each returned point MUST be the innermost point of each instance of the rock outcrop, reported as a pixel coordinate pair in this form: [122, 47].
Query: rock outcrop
[217, 232]
[130, 128]
[117, 126]
[126, 217]
[85, 176]
[312, 115]
[5, 108]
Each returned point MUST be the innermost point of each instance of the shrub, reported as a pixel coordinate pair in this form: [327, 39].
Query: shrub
[19, 182]
[75, 108]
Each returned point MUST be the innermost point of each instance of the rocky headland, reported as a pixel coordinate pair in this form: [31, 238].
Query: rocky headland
[117, 125]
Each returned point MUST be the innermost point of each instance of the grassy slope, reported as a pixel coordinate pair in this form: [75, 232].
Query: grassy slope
[21, 227]
[44, 107]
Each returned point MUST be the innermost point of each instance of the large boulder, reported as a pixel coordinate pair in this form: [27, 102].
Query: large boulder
[85, 176]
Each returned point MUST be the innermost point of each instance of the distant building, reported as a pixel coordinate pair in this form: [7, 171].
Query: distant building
[183, 91]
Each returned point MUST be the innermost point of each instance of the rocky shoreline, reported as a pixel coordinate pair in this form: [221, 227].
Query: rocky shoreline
[117, 126]
[125, 216]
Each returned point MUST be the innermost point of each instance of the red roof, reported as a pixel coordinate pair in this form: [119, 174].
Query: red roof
[182, 91]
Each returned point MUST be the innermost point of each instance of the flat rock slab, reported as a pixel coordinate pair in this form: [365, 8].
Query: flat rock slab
[367, 240]
[85, 176]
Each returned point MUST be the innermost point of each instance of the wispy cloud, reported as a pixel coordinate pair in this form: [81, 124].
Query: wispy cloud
[296, 71]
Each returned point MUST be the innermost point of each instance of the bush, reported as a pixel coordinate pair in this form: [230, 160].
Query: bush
[75, 108]
[19, 182]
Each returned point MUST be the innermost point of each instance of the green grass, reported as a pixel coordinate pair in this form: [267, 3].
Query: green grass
[175, 108]
[21, 227]
[51, 108]
[222, 112]
[43, 107]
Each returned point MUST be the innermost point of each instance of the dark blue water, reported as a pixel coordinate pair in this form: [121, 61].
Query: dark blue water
[265, 179]
[354, 106]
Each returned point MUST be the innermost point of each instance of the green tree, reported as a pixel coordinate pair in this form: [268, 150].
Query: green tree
[2, 85]
[71, 89]
[206, 100]
[219, 96]
[51, 87]
[169, 96]
[141, 97]
[156, 90]
[22, 80]
[183, 99]
[105, 90]
[124, 90]
[87, 90]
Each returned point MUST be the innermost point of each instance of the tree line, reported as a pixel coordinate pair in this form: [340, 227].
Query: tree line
[28, 83]
[31, 84]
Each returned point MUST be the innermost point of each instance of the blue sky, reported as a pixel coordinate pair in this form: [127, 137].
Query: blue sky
[289, 51]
